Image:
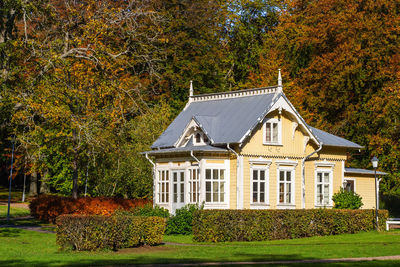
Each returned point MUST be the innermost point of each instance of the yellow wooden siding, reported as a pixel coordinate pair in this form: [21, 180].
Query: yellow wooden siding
[215, 161]
[309, 184]
[290, 146]
[365, 187]
[333, 153]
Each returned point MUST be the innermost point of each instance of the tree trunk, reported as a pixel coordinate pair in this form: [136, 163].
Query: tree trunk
[75, 174]
[44, 187]
[33, 188]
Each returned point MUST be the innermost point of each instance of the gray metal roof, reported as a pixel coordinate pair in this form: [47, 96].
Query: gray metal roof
[225, 120]
[228, 120]
[332, 140]
[362, 171]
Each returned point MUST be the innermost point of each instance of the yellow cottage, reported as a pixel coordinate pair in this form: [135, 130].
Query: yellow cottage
[251, 149]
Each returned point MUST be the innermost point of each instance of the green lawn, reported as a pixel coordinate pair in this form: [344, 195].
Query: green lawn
[16, 195]
[14, 212]
[25, 248]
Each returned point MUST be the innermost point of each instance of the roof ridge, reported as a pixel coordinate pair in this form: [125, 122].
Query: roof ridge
[234, 94]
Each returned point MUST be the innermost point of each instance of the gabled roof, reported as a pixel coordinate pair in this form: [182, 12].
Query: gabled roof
[230, 117]
[225, 120]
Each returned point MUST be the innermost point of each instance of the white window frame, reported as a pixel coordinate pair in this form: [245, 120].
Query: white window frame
[219, 181]
[330, 172]
[264, 129]
[292, 203]
[167, 184]
[260, 164]
[354, 182]
[192, 181]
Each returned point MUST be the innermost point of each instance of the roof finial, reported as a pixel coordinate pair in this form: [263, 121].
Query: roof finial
[279, 89]
[191, 89]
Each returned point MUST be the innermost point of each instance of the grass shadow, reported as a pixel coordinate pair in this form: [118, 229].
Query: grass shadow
[10, 232]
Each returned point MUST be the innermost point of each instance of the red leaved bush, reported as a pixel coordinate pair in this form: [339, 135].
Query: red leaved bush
[48, 207]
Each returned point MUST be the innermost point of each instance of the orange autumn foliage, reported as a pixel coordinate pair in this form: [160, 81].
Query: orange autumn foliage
[48, 207]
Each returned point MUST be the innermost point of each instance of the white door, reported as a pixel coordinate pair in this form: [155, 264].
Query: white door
[178, 189]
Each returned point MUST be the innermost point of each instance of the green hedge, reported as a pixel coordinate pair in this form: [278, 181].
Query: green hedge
[253, 225]
[92, 232]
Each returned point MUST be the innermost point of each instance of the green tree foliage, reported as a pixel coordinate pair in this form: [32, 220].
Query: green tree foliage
[347, 200]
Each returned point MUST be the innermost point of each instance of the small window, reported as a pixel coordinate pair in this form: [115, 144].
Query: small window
[198, 138]
[323, 188]
[286, 186]
[272, 132]
[349, 187]
[205, 138]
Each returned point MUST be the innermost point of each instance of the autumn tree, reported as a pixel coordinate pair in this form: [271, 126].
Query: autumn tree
[342, 61]
[91, 62]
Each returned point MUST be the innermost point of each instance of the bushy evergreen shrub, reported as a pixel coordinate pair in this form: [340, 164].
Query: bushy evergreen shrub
[149, 210]
[347, 200]
[182, 222]
[257, 225]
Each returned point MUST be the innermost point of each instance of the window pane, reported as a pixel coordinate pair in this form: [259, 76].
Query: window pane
[215, 197]
[288, 198]
[175, 177]
[262, 187]
[326, 177]
[222, 187]
[268, 132]
[275, 132]
[281, 187]
[288, 176]
[255, 197]
[208, 174]
[182, 176]
[255, 185]
[215, 174]
[208, 186]
[262, 175]
[262, 197]
[319, 189]
[167, 175]
[221, 174]
[255, 175]
[208, 197]
[281, 176]
[326, 189]
[319, 177]
[182, 192]
[215, 187]
[222, 198]
[281, 197]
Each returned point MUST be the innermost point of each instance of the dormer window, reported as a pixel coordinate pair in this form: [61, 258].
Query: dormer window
[200, 139]
[272, 132]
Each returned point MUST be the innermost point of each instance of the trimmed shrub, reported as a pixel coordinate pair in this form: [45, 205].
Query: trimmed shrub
[48, 207]
[181, 223]
[148, 210]
[92, 232]
[257, 225]
[347, 200]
